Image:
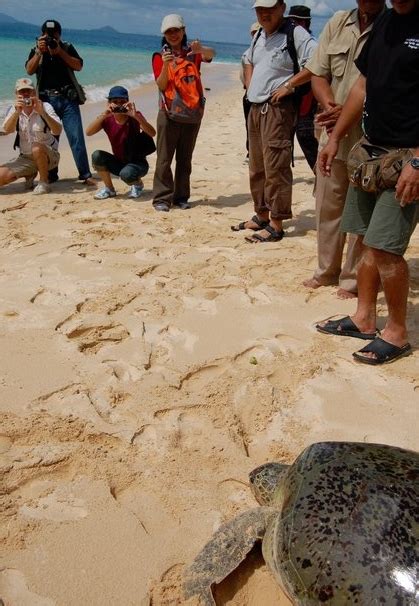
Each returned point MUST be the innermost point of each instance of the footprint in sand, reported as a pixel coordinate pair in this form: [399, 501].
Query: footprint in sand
[172, 428]
[57, 507]
[91, 338]
[15, 591]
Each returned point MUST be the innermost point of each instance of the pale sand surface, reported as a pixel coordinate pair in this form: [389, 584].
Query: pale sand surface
[131, 413]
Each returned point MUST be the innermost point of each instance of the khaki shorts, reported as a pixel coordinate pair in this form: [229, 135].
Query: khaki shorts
[24, 165]
[380, 219]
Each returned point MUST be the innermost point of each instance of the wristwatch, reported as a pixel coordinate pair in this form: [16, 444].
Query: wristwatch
[415, 162]
[289, 86]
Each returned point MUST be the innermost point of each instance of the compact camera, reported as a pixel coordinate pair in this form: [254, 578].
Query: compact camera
[49, 30]
[120, 109]
[27, 102]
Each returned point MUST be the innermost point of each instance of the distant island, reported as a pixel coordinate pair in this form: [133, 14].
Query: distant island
[7, 20]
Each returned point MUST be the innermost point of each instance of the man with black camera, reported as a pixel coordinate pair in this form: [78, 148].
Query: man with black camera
[54, 63]
[37, 128]
[130, 136]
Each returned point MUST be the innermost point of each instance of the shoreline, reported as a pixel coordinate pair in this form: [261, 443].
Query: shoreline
[216, 76]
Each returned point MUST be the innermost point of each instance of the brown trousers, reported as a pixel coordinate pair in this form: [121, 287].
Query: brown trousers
[270, 155]
[330, 200]
[173, 137]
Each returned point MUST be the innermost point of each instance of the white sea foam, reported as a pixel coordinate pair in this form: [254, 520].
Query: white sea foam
[99, 93]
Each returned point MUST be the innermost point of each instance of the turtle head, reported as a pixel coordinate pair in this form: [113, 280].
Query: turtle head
[264, 481]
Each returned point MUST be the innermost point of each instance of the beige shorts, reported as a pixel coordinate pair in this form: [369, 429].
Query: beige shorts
[24, 165]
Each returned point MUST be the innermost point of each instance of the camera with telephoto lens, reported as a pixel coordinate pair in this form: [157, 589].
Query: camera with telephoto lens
[119, 109]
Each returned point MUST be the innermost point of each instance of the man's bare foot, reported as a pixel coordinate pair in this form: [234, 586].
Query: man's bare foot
[312, 283]
[345, 294]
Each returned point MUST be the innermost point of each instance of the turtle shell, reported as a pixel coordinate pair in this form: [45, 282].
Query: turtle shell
[347, 530]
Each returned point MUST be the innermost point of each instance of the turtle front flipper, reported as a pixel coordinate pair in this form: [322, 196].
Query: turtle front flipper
[224, 552]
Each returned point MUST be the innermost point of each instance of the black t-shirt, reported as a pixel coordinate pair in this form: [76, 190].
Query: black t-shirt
[390, 63]
[52, 71]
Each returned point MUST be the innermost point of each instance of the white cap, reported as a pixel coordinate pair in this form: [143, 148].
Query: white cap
[170, 21]
[265, 3]
[23, 83]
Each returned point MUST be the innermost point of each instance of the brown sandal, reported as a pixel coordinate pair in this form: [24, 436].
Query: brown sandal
[260, 222]
[274, 236]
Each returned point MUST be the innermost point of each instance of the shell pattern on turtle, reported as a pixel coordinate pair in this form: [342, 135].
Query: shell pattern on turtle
[341, 529]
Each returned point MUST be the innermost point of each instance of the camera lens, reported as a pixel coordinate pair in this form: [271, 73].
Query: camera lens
[51, 42]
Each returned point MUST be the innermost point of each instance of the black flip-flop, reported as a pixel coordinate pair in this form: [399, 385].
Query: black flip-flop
[384, 352]
[260, 222]
[344, 327]
[274, 236]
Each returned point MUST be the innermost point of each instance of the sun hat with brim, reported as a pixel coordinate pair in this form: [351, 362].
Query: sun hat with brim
[300, 12]
[118, 92]
[169, 21]
[24, 83]
[265, 3]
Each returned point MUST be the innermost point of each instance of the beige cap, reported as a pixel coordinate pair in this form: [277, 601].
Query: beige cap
[170, 21]
[264, 3]
[23, 83]
[255, 26]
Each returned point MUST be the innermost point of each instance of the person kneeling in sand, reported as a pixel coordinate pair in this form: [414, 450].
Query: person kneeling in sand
[37, 126]
[122, 123]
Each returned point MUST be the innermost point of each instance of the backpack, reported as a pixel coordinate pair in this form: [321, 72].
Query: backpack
[183, 99]
[288, 29]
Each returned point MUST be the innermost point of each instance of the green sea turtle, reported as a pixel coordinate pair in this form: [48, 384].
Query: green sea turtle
[339, 526]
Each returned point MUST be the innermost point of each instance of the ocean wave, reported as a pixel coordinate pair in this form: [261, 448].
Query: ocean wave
[96, 93]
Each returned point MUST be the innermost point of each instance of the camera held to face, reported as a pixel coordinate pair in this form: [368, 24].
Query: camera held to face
[27, 102]
[50, 40]
[119, 109]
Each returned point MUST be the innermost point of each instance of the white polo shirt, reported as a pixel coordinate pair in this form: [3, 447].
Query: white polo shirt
[32, 127]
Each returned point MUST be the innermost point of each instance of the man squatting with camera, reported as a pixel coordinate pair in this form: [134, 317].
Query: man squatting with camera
[54, 63]
[37, 127]
[122, 123]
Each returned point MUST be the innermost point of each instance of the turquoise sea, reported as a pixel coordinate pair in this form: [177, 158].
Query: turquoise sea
[109, 58]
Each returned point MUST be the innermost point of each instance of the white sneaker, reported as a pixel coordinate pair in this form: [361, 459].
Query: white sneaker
[104, 193]
[136, 190]
[41, 188]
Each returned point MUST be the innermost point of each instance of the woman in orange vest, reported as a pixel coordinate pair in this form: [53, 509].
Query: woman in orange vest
[177, 74]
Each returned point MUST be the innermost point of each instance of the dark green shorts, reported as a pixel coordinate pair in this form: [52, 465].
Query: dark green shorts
[380, 219]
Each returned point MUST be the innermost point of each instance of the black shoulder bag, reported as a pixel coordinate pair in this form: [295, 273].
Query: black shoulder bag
[139, 144]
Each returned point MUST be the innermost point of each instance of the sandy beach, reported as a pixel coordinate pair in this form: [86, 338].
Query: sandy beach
[150, 360]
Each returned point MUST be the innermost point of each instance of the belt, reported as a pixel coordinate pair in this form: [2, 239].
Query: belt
[51, 92]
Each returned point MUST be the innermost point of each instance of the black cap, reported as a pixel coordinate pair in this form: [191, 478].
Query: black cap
[57, 26]
[300, 12]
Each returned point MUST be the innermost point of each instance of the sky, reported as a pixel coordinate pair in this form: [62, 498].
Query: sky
[222, 20]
